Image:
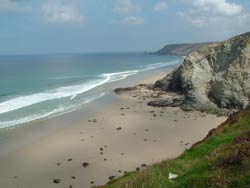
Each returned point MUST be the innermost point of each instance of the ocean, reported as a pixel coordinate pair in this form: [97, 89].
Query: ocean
[33, 87]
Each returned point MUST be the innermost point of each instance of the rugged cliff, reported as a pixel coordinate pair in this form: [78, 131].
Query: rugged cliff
[215, 76]
[180, 49]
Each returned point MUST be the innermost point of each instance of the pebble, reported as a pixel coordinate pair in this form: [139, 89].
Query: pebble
[119, 128]
[111, 177]
[85, 164]
[57, 181]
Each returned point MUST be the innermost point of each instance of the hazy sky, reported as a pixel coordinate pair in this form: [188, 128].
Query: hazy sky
[58, 26]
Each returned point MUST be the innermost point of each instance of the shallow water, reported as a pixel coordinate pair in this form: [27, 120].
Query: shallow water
[39, 86]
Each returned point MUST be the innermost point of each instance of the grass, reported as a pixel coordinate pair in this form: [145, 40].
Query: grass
[222, 159]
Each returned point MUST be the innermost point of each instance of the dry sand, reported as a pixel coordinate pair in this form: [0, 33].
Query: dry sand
[125, 135]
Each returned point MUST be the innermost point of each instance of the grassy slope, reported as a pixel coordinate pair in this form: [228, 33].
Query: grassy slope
[222, 159]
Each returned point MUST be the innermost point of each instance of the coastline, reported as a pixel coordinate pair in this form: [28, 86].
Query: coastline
[123, 134]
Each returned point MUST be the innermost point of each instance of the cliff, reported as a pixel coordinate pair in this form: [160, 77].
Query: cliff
[216, 76]
[180, 49]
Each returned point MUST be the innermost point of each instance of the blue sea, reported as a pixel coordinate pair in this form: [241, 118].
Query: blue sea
[39, 86]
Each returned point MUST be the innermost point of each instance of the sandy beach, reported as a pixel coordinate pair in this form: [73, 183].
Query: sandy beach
[97, 146]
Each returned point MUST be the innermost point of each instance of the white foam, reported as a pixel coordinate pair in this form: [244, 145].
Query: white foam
[74, 96]
[159, 65]
[71, 91]
[62, 92]
[55, 112]
[112, 77]
[26, 119]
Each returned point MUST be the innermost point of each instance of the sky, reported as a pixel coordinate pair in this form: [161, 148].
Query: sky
[82, 26]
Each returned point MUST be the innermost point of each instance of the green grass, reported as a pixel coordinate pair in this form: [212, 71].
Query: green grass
[217, 161]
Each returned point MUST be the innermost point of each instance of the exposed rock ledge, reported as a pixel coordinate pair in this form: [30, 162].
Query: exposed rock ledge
[213, 78]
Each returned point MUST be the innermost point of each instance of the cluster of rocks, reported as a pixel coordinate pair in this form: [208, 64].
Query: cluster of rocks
[145, 92]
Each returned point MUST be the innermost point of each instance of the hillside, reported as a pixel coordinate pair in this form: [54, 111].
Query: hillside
[181, 49]
[213, 78]
[222, 159]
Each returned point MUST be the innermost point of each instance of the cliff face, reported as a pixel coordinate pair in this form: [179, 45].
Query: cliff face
[215, 76]
[180, 49]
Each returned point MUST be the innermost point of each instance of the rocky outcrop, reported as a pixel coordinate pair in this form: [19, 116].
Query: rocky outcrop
[128, 89]
[122, 90]
[181, 49]
[169, 101]
[216, 76]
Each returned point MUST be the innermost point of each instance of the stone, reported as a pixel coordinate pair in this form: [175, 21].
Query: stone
[111, 177]
[119, 128]
[85, 164]
[57, 181]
